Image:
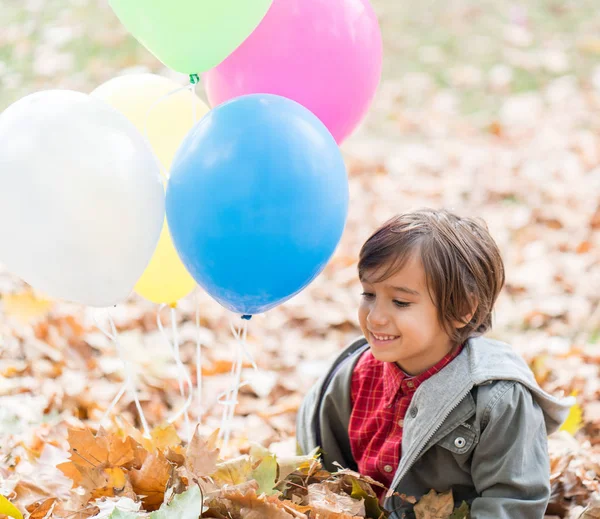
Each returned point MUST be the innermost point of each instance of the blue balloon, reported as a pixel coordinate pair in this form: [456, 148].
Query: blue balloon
[257, 201]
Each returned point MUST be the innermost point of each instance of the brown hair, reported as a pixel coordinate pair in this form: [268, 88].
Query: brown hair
[462, 263]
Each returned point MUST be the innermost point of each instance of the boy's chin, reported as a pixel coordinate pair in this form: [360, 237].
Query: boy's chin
[384, 356]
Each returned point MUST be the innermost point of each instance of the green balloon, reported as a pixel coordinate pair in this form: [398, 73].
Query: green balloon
[190, 36]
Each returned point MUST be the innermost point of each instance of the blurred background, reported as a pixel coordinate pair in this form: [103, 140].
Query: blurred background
[486, 108]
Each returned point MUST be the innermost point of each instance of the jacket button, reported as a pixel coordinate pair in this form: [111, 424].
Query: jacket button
[460, 442]
[413, 412]
[388, 468]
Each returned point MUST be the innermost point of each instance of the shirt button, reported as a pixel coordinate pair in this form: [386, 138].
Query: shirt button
[388, 468]
[400, 423]
[410, 384]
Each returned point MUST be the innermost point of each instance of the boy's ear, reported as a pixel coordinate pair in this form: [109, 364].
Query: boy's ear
[466, 319]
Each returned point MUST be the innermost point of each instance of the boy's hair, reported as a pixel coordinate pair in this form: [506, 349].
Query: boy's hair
[462, 263]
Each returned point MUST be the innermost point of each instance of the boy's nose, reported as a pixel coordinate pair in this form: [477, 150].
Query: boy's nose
[376, 317]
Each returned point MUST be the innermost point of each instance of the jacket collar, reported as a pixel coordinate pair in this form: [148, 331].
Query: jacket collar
[444, 396]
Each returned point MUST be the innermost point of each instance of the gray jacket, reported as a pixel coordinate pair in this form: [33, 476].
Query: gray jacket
[479, 426]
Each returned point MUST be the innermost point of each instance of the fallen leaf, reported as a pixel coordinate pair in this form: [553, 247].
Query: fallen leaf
[574, 420]
[7, 508]
[233, 472]
[151, 480]
[329, 505]
[435, 506]
[187, 505]
[26, 306]
[202, 455]
[42, 510]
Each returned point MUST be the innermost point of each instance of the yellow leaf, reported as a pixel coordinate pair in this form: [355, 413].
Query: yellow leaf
[574, 421]
[7, 508]
[25, 306]
[233, 472]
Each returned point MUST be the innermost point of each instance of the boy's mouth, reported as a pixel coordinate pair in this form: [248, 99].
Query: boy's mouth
[381, 339]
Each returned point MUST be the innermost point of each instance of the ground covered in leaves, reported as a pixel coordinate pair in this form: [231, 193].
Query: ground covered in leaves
[491, 111]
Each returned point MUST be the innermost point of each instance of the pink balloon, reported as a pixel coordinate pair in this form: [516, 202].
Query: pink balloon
[324, 54]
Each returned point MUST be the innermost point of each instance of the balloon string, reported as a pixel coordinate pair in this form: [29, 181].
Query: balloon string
[181, 369]
[241, 335]
[129, 380]
[164, 171]
[198, 361]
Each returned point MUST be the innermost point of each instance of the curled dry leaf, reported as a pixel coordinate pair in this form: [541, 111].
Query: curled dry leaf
[150, 481]
[435, 506]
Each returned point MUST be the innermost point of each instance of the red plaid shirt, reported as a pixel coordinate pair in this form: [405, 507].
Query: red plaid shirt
[381, 395]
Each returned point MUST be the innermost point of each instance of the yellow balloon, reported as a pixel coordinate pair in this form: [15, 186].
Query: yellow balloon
[165, 120]
[165, 280]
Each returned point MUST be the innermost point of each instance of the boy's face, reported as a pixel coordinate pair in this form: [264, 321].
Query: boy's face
[399, 319]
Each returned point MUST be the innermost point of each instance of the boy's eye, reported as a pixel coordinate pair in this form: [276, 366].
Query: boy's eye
[368, 295]
[401, 304]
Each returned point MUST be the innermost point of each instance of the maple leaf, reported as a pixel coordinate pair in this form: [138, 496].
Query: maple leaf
[86, 449]
[150, 481]
[435, 506]
[251, 506]
[330, 505]
[202, 455]
[265, 474]
[233, 472]
[163, 437]
[121, 452]
[187, 505]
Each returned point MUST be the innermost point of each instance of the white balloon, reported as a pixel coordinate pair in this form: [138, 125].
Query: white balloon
[81, 197]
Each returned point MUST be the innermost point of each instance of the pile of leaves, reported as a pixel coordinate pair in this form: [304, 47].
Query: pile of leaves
[123, 476]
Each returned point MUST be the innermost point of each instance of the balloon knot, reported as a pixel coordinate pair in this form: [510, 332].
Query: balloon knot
[246, 317]
[173, 305]
[194, 78]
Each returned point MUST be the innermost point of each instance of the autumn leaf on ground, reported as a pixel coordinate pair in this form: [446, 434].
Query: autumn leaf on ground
[26, 306]
[251, 506]
[163, 437]
[574, 420]
[233, 472]
[202, 455]
[86, 449]
[41, 510]
[7, 508]
[435, 506]
[289, 464]
[329, 505]
[592, 511]
[151, 480]
[265, 475]
[372, 508]
[462, 512]
[187, 505]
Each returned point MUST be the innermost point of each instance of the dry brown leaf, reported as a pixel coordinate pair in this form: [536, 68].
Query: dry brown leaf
[251, 506]
[435, 506]
[202, 455]
[42, 510]
[329, 505]
[151, 480]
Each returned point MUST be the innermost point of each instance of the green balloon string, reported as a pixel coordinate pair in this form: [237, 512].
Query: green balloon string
[194, 79]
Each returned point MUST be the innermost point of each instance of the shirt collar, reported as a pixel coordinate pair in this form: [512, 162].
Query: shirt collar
[395, 380]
